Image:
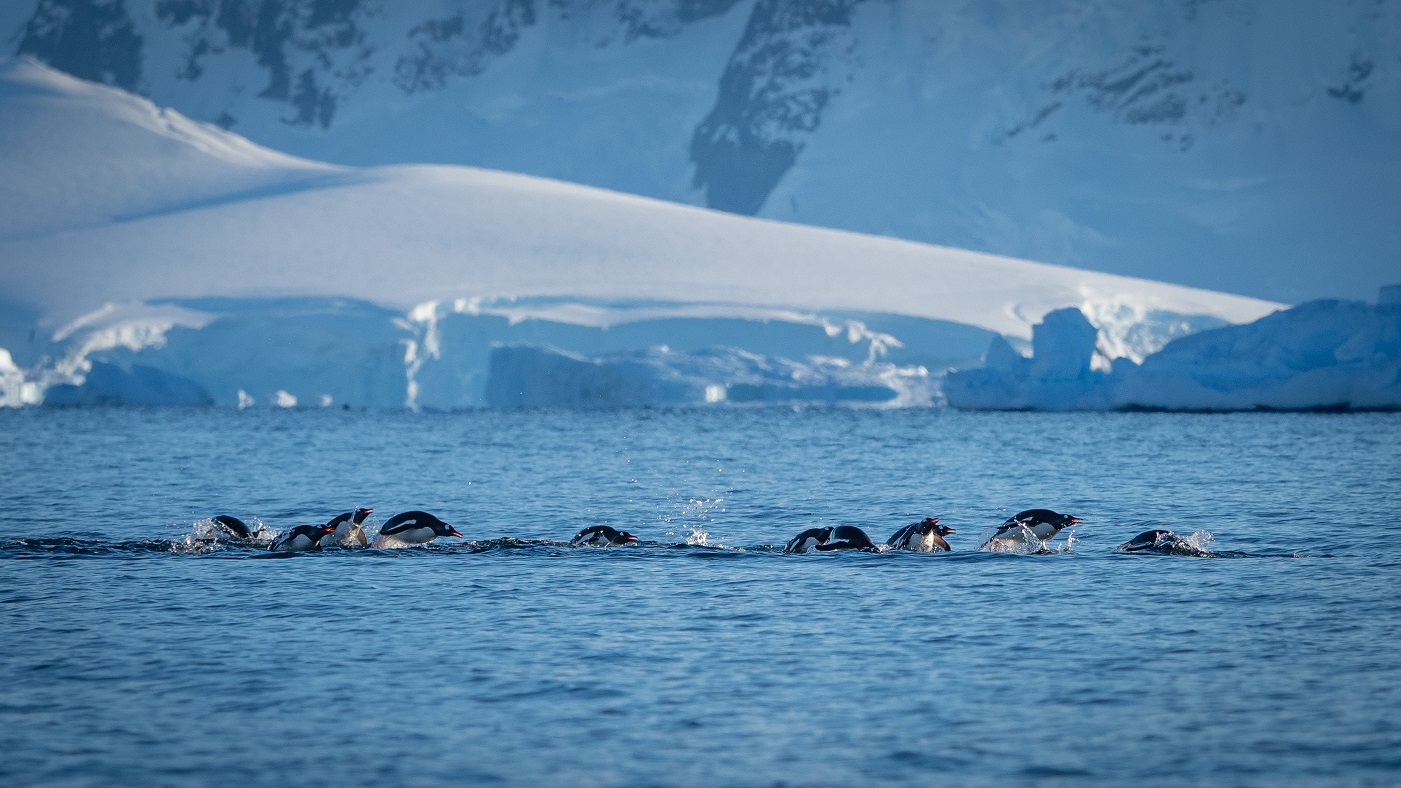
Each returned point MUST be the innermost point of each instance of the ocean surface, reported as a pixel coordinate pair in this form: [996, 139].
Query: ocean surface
[137, 652]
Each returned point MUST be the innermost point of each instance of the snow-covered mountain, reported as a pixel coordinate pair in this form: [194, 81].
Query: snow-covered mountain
[1250, 146]
[132, 236]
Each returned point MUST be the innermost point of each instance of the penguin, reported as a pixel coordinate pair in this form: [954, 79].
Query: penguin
[1032, 524]
[410, 528]
[233, 525]
[605, 535]
[812, 537]
[925, 536]
[1161, 542]
[348, 531]
[301, 539]
[848, 537]
[1146, 542]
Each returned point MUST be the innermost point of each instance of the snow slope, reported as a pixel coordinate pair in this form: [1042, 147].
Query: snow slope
[117, 219]
[1249, 146]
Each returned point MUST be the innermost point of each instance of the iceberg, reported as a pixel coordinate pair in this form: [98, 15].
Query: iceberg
[263, 279]
[1059, 375]
[1322, 355]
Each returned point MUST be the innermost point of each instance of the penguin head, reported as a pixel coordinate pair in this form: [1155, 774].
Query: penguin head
[931, 525]
[441, 528]
[824, 535]
[626, 537]
[359, 515]
[1065, 520]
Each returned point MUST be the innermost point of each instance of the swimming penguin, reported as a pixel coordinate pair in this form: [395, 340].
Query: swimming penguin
[233, 525]
[1161, 542]
[1032, 524]
[409, 528]
[349, 532]
[925, 536]
[302, 538]
[808, 539]
[605, 535]
[1146, 541]
[847, 537]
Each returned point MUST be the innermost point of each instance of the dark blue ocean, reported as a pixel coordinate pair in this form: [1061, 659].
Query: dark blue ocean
[136, 653]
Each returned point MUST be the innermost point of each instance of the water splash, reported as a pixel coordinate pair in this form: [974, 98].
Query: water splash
[1024, 542]
[206, 536]
[690, 523]
[1196, 544]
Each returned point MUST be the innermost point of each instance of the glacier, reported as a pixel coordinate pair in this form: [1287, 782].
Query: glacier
[181, 261]
[1322, 355]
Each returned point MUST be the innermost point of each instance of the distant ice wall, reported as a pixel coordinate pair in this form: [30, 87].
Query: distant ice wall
[528, 376]
[314, 352]
[310, 352]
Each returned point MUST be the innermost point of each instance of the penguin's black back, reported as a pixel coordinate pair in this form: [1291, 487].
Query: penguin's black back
[606, 531]
[1144, 541]
[901, 536]
[848, 537]
[237, 526]
[1031, 517]
[821, 535]
[403, 521]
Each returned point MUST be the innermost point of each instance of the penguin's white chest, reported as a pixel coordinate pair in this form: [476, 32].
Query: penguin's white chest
[297, 544]
[348, 535]
[409, 536]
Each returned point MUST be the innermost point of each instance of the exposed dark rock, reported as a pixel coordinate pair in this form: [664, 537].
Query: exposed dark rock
[786, 69]
[305, 38]
[1352, 90]
[87, 38]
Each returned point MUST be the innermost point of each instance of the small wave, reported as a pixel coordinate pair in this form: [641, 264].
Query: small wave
[66, 547]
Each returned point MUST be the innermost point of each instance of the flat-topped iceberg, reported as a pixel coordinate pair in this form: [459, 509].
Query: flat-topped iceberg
[1323, 355]
[135, 237]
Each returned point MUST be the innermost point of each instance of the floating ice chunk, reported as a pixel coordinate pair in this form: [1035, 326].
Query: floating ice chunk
[1323, 355]
[1058, 376]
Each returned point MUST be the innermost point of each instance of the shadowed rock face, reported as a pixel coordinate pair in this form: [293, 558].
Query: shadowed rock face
[786, 70]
